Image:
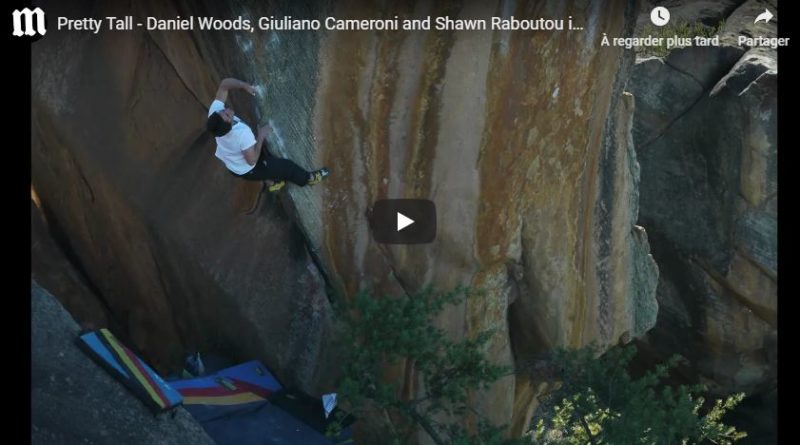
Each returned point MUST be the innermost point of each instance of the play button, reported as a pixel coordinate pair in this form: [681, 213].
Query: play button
[403, 221]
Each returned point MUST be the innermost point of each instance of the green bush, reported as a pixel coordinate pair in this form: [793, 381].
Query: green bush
[400, 331]
[597, 401]
[600, 403]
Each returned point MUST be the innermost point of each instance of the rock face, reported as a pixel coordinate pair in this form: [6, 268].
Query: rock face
[522, 139]
[73, 400]
[529, 164]
[54, 271]
[705, 132]
[121, 161]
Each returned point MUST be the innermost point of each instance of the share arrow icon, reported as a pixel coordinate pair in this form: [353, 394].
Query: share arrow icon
[766, 16]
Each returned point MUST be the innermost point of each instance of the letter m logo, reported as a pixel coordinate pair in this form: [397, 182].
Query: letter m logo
[27, 28]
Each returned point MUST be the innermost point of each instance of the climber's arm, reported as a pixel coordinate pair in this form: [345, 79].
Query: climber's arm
[231, 83]
[252, 154]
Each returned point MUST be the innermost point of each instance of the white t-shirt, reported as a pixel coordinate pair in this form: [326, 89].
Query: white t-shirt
[231, 146]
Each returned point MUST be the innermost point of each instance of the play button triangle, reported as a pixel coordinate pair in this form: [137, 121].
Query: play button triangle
[403, 221]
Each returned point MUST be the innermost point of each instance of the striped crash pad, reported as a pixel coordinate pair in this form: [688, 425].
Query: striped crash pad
[246, 405]
[128, 368]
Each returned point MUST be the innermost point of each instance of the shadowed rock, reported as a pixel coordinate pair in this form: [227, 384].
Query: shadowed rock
[74, 400]
[522, 139]
[709, 201]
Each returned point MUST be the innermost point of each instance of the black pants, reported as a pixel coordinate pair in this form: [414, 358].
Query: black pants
[277, 169]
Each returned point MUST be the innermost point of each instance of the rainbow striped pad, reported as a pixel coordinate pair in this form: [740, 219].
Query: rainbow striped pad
[244, 383]
[242, 387]
[119, 361]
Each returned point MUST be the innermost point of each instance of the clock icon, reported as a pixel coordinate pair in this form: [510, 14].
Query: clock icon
[659, 16]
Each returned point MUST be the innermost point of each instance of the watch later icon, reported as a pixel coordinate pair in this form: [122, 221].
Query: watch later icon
[659, 16]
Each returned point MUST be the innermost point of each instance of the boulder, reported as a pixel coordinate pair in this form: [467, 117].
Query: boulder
[708, 200]
[74, 400]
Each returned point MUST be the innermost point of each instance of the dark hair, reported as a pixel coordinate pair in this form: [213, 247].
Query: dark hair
[217, 125]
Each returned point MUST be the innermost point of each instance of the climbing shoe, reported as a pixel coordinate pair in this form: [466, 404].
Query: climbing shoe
[277, 186]
[318, 175]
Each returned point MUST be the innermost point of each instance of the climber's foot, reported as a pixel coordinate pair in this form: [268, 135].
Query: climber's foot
[277, 186]
[318, 176]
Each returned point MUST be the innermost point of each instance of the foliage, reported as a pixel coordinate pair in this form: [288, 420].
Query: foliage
[600, 403]
[394, 332]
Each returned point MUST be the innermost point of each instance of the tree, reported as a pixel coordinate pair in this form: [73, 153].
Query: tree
[400, 331]
[600, 403]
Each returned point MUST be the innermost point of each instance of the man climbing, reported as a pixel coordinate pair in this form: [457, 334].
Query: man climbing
[245, 155]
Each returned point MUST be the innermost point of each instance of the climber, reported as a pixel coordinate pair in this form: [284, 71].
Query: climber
[245, 155]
